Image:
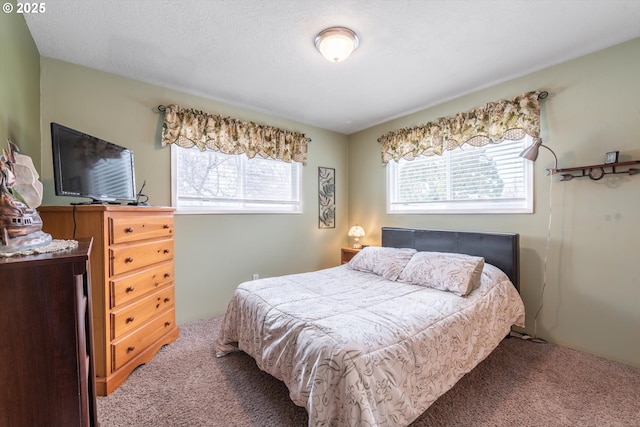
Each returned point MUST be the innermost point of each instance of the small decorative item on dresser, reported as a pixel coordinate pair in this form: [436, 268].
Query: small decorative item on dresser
[356, 232]
[611, 157]
[20, 224]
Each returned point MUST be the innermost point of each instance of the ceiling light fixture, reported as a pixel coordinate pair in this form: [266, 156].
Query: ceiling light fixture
[336, 43]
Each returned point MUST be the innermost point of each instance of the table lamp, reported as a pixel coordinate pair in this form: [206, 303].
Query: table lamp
[356, 232]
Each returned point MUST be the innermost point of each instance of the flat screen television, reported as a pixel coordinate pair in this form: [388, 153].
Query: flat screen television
[86, 166]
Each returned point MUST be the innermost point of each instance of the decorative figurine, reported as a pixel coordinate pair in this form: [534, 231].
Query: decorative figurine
[20, 224]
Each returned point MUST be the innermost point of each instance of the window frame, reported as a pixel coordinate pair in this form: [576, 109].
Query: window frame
[480, 206]
[295, 207]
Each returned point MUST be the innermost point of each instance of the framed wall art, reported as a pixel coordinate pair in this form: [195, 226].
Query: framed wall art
[326, 197]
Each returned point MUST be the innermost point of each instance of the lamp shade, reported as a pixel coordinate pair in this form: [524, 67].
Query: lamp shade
[356, 231]
[531, 152]
[336, 43]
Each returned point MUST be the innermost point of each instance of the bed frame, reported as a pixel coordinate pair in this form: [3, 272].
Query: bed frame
[499, 249]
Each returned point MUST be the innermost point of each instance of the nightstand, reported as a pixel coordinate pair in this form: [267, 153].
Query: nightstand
[347, 253]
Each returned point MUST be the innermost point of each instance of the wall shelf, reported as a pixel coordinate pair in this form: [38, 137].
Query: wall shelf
[597, 172]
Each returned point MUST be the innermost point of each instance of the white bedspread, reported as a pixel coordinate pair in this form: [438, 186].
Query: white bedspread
[355, 349]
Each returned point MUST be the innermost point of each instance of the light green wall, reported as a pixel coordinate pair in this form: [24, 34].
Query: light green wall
[19, 86]
[593, 272]
[214, 253]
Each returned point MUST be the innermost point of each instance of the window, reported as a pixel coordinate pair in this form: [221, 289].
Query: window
[213, 182]
[488, 179]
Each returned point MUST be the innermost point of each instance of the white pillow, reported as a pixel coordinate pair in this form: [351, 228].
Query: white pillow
[457, 273]
[385, 262]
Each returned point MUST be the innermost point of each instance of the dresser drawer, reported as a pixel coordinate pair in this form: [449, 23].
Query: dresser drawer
[136, 314]
[133, 344]
[131, 257]
[123, 229]
[128, 288]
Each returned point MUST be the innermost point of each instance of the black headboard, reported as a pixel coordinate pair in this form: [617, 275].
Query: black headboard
[499, 249]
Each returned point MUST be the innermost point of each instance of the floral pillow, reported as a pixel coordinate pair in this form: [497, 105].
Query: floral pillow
[457, 273]
[385, 262]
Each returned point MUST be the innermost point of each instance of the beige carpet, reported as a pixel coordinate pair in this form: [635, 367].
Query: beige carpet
[520, 384]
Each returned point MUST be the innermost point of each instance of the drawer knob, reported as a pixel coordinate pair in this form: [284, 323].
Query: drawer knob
[166, 251]
[167, 275]
[166, 226]
[130, 289]
[128, 230]
[128, 259]
[131, 348]
[167, 324]
[167, 299]
[130, 319]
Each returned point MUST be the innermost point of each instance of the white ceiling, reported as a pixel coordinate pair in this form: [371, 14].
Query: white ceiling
[259, 54]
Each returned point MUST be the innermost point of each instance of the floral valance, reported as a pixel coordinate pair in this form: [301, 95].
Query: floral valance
[492, 123]
[192, 128]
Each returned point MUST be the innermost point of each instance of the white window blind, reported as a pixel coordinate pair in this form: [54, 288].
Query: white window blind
[213, 182]
[488, 179]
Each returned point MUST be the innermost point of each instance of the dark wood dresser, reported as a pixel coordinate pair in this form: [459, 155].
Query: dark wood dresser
[46, 345]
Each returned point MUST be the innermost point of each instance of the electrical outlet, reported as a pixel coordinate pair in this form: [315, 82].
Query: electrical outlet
[256, 276]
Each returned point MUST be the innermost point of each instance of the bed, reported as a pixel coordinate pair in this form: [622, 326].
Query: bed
[376, 341]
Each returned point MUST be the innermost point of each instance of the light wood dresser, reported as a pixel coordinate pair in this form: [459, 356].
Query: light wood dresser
[132, 270]
[46, 348]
